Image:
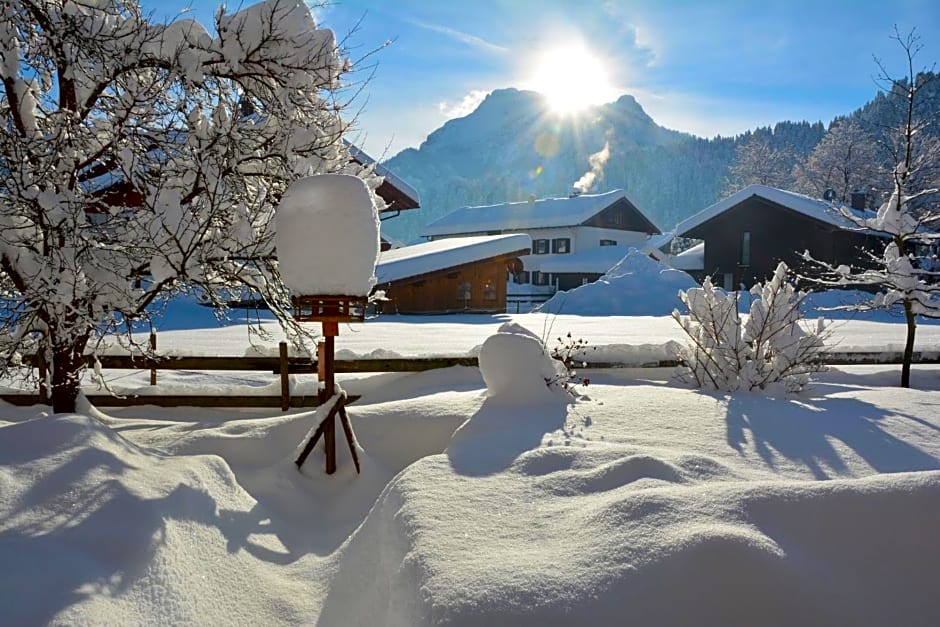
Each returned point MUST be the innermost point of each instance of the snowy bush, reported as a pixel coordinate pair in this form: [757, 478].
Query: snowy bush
[570, 352]
[770, 350]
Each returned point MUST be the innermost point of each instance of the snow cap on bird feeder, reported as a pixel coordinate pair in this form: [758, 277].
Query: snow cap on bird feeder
[327, 236]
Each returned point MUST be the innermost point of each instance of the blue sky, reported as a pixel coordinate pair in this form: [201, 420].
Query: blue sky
[703, 67]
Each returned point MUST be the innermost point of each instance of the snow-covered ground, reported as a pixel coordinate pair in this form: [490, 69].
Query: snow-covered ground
[640, 502]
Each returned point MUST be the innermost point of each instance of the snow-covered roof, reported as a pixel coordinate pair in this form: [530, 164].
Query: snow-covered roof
[531, 214]
[410, 261]
[653, 245]
[390, 177]
[690, 259]
[592, 261]
[811, 207]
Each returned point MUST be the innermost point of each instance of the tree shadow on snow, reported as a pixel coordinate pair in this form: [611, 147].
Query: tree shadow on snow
[101, 547]
[803, 431]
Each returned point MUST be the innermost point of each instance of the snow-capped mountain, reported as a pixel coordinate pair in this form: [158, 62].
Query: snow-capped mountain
[512, 147]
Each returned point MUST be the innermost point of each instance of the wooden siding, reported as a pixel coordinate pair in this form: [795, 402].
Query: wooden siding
[777, 234]
[437, 292]
[622, 215]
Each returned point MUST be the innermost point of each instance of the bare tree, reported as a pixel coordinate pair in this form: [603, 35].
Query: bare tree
[904, 273]
[144, 160]
[845, 160]
[756, 161]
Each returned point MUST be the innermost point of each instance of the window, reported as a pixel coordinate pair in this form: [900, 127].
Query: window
[489, 289]
[521, 278]
[539, 278]
[561, 245]
[540, 247]
[608, 242]
[463, 291]
[614, 218]
[746, 249]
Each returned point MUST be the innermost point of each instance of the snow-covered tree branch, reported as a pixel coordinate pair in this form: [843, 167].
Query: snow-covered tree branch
[906, 273]
[142, 160]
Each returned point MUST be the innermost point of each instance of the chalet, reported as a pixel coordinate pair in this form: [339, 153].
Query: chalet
[566, 234]
[107, 181]
[460, 274]
[747, 234]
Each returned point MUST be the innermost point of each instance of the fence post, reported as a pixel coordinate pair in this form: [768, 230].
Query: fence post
[285, 379]
[41, 366]
[153, 351]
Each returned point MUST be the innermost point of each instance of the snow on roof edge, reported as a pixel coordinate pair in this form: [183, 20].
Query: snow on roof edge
[409, 261]
[551, 212]
[810, 207]
[360, 155]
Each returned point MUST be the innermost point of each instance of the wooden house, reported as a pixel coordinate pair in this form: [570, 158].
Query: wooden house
[747, 234]
[462, 274]
[107, 181]
[566, 234]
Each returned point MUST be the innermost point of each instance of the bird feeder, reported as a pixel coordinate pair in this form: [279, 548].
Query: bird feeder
[327, 238]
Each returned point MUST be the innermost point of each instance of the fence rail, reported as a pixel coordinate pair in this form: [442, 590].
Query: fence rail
[285, 365]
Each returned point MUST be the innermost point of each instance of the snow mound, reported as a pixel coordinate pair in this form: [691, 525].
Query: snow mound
[112, 533]
[646, 537]
[636, 286]
[515, 365]
[327, 236]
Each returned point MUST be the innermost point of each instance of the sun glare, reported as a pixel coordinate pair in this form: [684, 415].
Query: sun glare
[571, 78]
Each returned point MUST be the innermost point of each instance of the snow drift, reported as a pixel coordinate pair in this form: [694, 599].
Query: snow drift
[636, 286]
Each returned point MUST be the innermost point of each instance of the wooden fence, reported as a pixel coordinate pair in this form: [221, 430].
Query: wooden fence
[285, 365]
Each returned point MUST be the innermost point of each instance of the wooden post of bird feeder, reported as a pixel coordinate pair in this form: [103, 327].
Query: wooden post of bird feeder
[327, 242]
[330, 311]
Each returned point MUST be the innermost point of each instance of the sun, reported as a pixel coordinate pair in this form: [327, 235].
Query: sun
[571, 78]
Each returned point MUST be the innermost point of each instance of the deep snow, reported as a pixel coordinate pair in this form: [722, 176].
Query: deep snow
[485, 497]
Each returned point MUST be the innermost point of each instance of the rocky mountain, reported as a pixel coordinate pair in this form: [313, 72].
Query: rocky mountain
[511, 147]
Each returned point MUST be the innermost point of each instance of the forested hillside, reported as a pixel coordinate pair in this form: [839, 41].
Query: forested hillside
[511, 148]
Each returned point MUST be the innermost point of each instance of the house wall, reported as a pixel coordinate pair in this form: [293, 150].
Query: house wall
[587, 237]
[776, 234]
[439, 292]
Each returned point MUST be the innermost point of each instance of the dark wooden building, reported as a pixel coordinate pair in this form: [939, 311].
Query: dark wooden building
[747, 234]
[466, 274]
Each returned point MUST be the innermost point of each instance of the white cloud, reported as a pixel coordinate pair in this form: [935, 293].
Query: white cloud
[466, 38]
[466, 105]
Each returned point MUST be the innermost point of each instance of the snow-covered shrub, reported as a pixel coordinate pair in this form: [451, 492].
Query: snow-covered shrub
[770, 350]
[570, 352]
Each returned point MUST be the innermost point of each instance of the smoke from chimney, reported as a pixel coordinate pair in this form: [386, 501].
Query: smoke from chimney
[597, 162]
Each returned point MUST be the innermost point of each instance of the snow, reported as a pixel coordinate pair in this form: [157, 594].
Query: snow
[409, 261]
[690, 259]
[816, 209]
[544, 213]
[593, 260]
[643, 503]
[486, 497]
[328, 221]
[636, 285]
[393, 179]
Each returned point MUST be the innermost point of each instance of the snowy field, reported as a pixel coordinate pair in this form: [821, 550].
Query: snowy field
[643, 502]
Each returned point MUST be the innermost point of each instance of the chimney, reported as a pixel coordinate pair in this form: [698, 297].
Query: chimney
[575, 191]
[859, 200]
